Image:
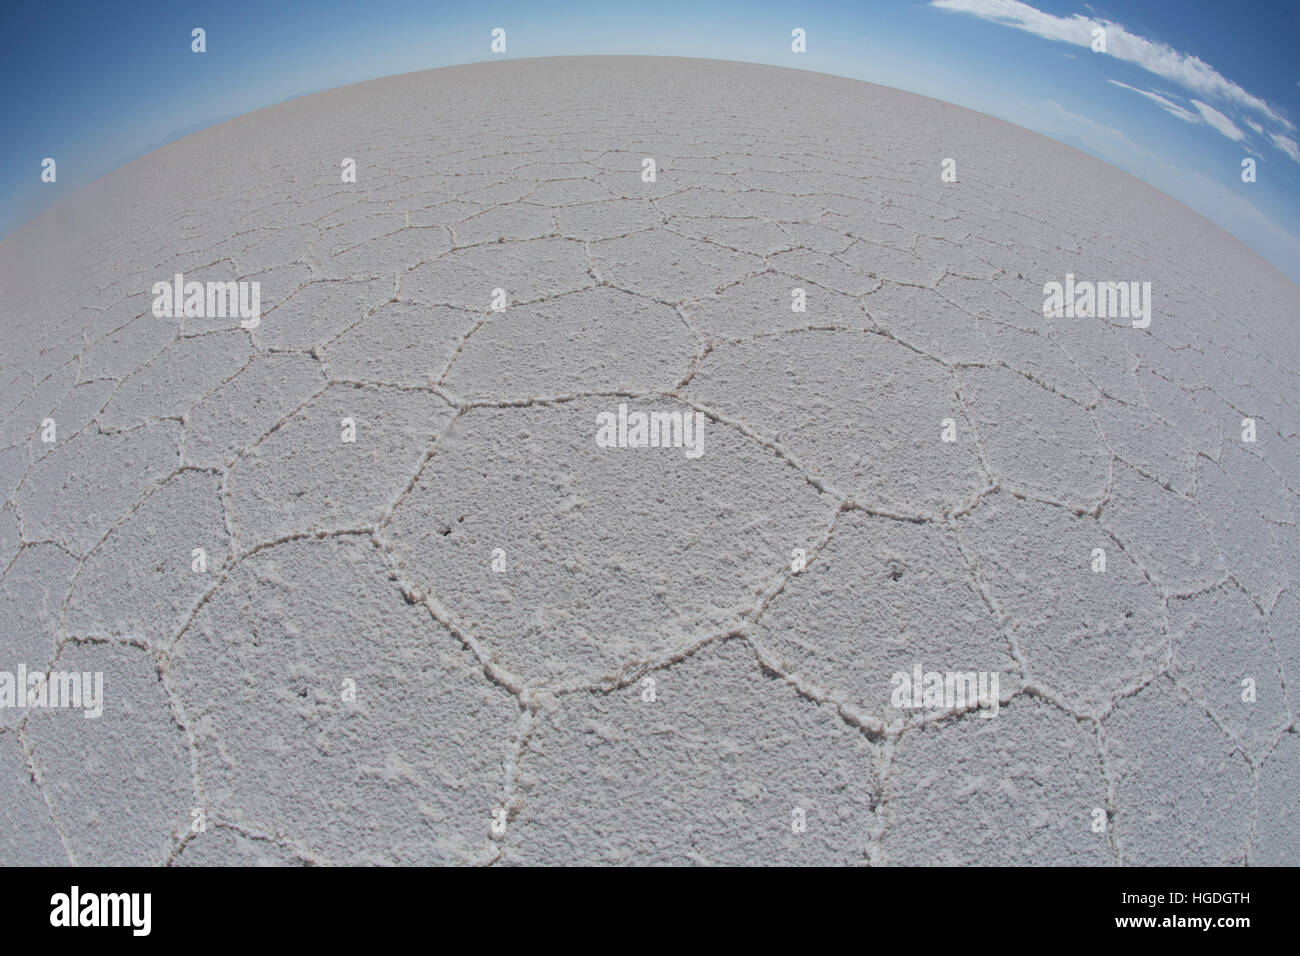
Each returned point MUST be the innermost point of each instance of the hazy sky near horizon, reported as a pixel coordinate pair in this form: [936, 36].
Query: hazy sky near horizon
[1184, 92]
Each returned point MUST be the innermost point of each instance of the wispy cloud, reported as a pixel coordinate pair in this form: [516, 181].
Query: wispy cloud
[1219, 122]
[1232, 210]
[1286, 144]
[1188, 71]
[1168, 105]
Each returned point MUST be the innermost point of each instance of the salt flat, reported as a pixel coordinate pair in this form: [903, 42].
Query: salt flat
[365, 588]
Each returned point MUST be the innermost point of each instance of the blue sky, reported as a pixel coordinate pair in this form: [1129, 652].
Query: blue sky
[1185, 91]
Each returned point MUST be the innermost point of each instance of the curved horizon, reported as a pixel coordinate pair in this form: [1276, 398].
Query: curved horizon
[1179, 99]
[1293, 277]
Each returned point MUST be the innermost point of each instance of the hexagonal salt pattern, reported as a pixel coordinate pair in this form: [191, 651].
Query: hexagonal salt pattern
[364, 583]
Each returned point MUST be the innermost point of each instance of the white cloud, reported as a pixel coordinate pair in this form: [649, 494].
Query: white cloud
[1255, 127]
[1229, 208]
[1188, 71]
[1219, 122]
[1286, 144]
[1168, 105]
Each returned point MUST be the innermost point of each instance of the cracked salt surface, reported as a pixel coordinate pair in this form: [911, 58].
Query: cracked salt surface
[559, 652]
